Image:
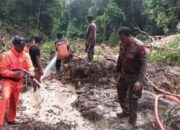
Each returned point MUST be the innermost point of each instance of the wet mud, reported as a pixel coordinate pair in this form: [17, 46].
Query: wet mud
[83, 96]
[97, 96]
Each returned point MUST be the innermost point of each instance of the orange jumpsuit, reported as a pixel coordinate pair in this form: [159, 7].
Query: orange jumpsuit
[11, 89]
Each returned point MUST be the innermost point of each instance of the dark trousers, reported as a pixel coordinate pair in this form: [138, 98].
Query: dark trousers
[59, 62]
[58, 65]
[128, 98]
[90, 50]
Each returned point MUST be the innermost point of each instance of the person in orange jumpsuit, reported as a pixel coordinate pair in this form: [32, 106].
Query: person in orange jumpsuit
[63, 50]
[11, 81]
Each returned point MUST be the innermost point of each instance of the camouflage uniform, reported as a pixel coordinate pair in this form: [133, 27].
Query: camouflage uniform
[131, 65]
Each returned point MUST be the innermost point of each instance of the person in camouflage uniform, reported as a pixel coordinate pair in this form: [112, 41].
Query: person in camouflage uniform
[131, 68]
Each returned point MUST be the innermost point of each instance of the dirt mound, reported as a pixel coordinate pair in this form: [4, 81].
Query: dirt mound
[165, 77]
[81, 72]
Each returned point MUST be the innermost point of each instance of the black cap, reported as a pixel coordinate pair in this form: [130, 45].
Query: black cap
[19, 40]
[125, 31]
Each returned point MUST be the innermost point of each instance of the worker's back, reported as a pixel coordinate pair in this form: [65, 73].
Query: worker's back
[62, 48]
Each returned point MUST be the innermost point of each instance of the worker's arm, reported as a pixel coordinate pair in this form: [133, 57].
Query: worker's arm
[28, 65]
[119, 62]
[5, 67]
[119, 65]
[38, 60]
[68, 45]
[55, 45]
[87, 33]
[143, 63]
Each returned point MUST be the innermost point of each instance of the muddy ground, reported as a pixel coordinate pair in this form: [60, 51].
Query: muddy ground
[83, 96]
[97, 96]
[80, 73]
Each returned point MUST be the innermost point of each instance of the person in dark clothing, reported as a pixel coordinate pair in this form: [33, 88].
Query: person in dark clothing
[131, 68]
[35, 55]
[90, 38]
[62, 49]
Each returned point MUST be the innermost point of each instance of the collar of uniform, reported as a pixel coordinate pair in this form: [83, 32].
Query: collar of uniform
[16, 53]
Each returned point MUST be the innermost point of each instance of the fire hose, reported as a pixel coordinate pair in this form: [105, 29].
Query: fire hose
[160, 90]
[167, 95]
[27, 75]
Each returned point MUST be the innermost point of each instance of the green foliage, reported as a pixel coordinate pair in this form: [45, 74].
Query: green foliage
[48, 17]
[170, 54]
[178, 27]
[161, 15]
[113, 40]
[73, 32]
[48, 47]
[143, 37]
[162, 21]
[108, 21]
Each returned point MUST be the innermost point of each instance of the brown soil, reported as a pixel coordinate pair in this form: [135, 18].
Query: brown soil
[97, 96]
[92, 104]
[102, 73]
[165, 77]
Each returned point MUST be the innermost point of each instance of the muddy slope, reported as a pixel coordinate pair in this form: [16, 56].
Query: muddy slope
[165, 77]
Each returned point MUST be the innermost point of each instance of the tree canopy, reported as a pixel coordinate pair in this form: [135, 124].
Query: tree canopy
[47, 17]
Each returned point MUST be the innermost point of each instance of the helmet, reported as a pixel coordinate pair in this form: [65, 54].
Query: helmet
[18, 40]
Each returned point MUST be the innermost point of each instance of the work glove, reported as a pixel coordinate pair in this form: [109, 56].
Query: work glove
[18, 75]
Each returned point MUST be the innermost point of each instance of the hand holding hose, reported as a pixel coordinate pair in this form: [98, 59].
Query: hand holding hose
[20, 73]
[36, 85]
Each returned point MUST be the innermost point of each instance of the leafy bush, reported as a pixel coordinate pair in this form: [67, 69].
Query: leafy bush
[178, 27]
[113, 40]
[74, 32]
[170, 54]
[48, 47]
[143, 37]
